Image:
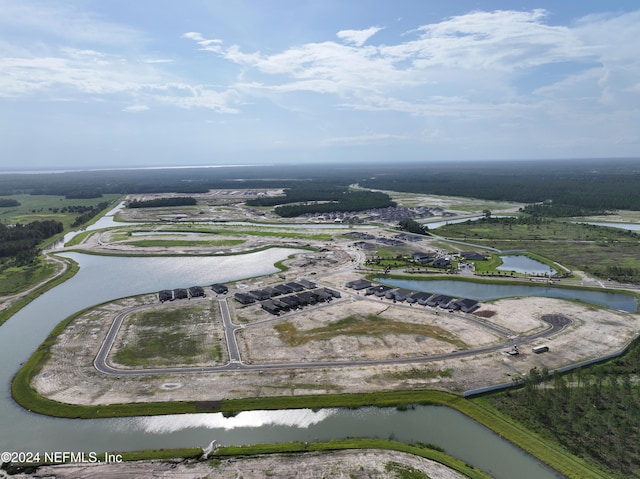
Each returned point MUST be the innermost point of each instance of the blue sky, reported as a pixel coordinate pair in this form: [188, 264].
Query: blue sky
[92, 83]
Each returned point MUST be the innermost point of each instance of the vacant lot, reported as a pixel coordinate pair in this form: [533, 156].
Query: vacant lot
[354, 464]
[185, 333]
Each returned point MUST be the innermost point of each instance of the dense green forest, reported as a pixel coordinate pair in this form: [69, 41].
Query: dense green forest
[555, 210]
[7, 203]
[594, 413]
[88, 212]
[300, 193]
[595, 184]
[412, 226]
[161, 202]
[20, 241]
[347, 201]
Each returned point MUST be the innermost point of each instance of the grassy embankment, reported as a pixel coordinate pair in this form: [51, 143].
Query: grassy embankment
[426, 451]
[72, 269]
[422, 450]
[14, 279]
[151, 243]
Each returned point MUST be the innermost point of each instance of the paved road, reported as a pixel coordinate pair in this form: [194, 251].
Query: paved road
[557, 323]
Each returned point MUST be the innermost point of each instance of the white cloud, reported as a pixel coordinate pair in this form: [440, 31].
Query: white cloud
[362, 139]
[136, 108]
[460, 50]
[66, 21]
[213, 45]
[358, 37]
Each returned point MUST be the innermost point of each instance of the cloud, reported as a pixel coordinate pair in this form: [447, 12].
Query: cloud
[463, 76]
[213, 45]
[362, 139]
[66, 21]
[358, 37]
[136, 108]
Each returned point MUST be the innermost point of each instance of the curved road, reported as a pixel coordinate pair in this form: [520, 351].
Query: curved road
[557, 323]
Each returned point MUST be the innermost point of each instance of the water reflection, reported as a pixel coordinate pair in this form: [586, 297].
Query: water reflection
[525, 265]
[299, 418]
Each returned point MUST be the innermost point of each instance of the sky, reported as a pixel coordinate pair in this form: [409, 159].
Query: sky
[121, 83]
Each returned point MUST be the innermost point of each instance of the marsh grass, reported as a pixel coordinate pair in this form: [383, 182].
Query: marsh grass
[370, 325]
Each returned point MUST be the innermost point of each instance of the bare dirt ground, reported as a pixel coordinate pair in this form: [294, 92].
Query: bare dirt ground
[340, 464]
[70, 376]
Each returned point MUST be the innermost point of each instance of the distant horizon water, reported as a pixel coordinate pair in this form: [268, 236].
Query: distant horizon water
[124, 168]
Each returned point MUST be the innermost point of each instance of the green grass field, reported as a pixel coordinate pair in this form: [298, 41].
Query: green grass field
[40, 208]
[370, 325]
[589, 248]
[183, 243]
[14, 280]
[154, 338]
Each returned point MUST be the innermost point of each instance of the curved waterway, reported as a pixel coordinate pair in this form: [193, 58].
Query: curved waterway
[104, 278]
[490, 291]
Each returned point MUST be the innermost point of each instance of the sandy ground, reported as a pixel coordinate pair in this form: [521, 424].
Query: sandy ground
[340, 464]
[69, 376]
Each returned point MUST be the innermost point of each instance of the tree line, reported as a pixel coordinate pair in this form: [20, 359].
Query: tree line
[555, 210]
[163, 202]
[20, 241]
[348, 201]
[298, 194]
[8, 202]
[88, 212]
[412, 226]
[600, 184]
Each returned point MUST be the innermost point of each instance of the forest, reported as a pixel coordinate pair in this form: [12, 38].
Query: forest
[347, 201]
[8, 203]
[301, 193]
[555, 210]
[594, 412]
[20, 241]
[162, 202]
[590, 184]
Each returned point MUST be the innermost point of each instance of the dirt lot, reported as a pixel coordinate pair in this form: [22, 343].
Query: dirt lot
[341, 464]
[70, 376]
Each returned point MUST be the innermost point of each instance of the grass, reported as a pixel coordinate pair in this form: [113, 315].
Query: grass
[16, 279]
[36, 208]
[578, 246]
[16, 306]
[370, 325]
[165, 338]
[183, 243]
[162, 348]
[238, 230]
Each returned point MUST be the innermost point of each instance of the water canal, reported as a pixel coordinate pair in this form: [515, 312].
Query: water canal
[491, 291]
[105, 278]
